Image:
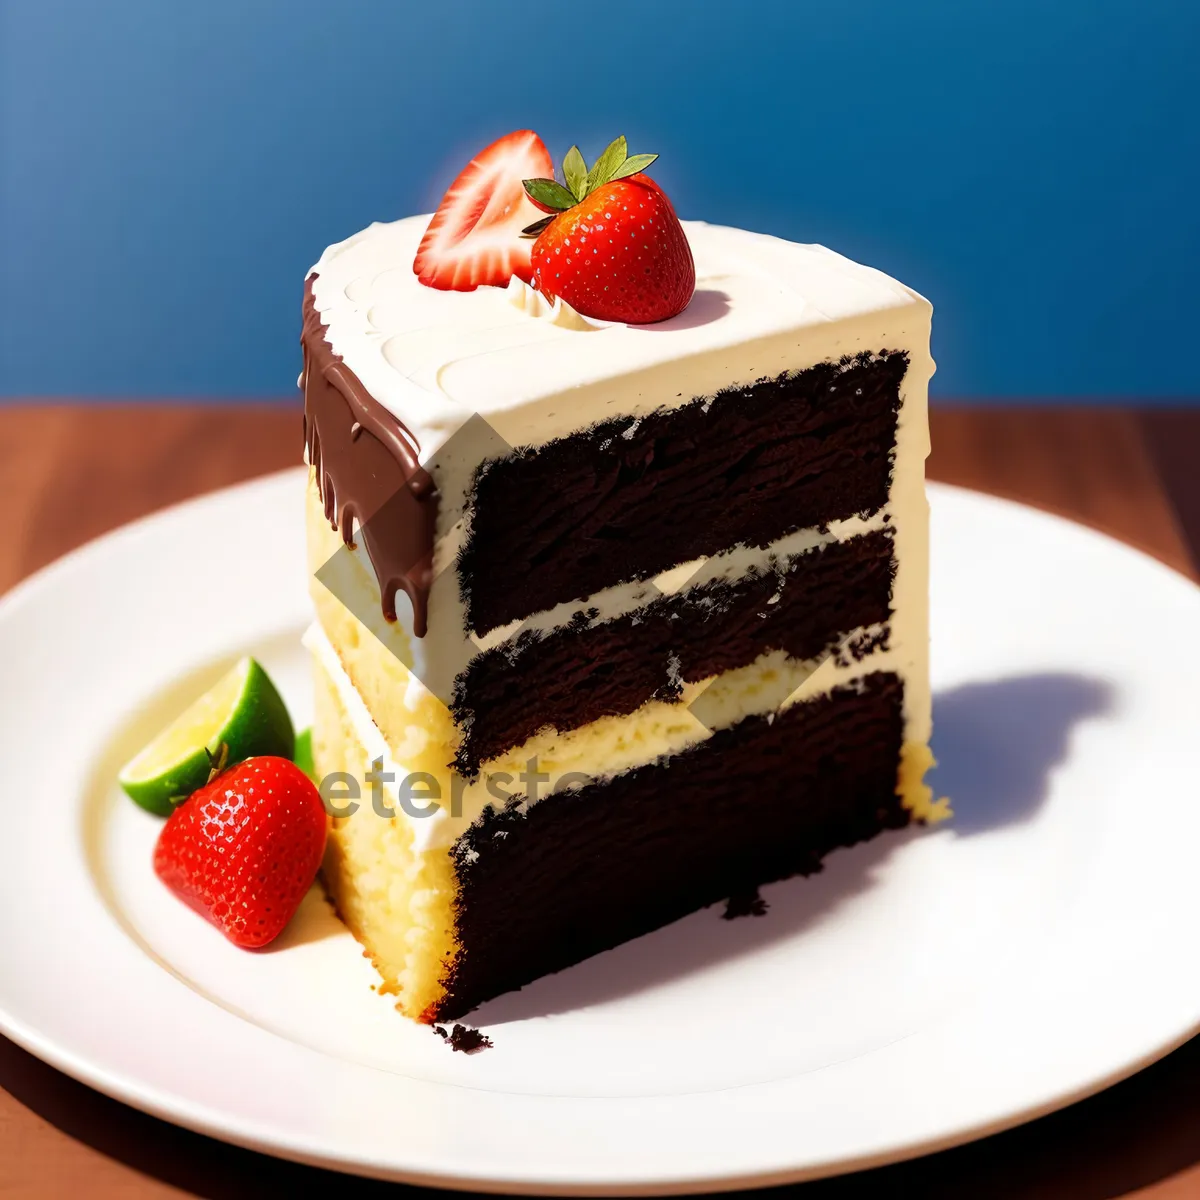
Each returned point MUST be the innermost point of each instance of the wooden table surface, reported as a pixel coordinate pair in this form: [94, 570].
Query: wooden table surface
[71, 472]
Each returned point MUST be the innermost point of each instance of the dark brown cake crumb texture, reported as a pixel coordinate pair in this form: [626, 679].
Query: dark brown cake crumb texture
[589, 868]
[464, 1038]
[744, 904]
[611, 668]
[617, 502]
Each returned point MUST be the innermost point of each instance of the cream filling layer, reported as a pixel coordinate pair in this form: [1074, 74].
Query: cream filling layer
[551, 761]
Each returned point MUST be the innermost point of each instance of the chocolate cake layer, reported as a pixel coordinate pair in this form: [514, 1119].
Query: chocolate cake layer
[582, 871]
[574, 675]
[627, 499]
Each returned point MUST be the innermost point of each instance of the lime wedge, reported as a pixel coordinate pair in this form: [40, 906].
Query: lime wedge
[240, 716]
[303, 757]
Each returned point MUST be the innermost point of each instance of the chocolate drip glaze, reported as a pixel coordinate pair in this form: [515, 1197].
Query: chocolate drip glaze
[368, 471]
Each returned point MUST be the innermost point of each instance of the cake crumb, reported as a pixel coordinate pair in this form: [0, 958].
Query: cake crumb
[744, 904]
[463, 1038]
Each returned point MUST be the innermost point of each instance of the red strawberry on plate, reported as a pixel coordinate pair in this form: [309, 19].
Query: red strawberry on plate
[615, 250]
[245, 848]
[474, 237]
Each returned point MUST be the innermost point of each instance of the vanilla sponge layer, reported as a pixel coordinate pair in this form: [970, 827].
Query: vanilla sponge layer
[395, 899]
[551, 762]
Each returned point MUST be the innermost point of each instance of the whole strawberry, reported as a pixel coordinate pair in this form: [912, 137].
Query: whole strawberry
[245, 848]
[615, 250]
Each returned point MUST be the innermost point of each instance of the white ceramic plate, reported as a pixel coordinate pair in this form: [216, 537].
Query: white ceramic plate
[927, 988]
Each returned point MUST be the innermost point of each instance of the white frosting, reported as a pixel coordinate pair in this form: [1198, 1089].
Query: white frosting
[533, 371]
[556, 311]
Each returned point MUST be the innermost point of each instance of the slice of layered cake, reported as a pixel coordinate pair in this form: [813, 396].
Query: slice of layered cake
[619, 563]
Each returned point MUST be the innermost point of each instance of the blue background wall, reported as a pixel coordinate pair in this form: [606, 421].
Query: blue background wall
[169, 170]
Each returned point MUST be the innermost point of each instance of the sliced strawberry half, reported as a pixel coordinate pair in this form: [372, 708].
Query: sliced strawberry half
[475, 236]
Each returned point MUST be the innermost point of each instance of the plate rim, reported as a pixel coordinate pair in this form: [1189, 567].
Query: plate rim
[145, 1101]
[180, 1110]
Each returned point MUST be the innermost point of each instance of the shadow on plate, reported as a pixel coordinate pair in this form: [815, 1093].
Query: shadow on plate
[998, 743]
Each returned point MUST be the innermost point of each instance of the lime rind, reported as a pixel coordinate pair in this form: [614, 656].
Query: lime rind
[241, 716]
[303, 757]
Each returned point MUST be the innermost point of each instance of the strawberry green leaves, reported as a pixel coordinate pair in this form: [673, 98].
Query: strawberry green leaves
[575, 172]
[614, 163]
[606, 166]
[548, 193]
[631, 166]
